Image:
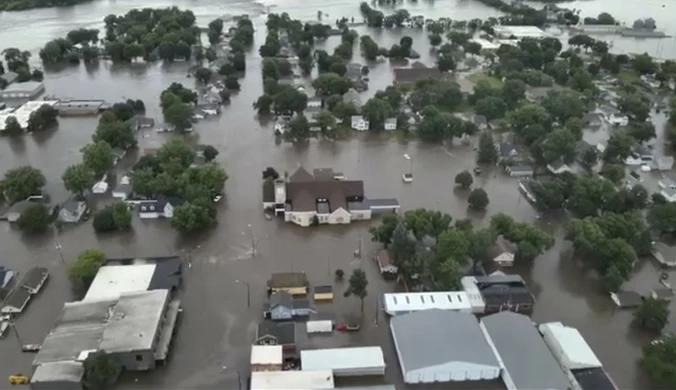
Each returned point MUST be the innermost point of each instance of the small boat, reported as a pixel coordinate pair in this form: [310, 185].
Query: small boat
[31, 347]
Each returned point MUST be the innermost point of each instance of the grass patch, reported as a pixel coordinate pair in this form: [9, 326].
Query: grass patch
[629, 77]
[479, 76]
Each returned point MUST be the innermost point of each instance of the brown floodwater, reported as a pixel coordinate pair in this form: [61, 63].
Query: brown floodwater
[217, 327]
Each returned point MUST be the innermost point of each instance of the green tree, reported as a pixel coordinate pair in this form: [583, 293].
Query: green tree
[34, 218]
[614, 172]
[327, 123]
[328, 84]
[179, 115]
[480, 242]
[448, 275]
[635, 106]
[559, 144]
[264, 104]
[20, 183]
[203, 75]
[84, 269]
[642, 131]
[77, 179]
[513, 91]
[104, 221]
[376, 111]
[619, 147]
[231, 82]
[12, 126]
[383, 233]
[403, 246]
[491, 107]
[612, 280]
[487, 153]
[464, 179]
[659, 359]
[210, 153]
[43, 118]
[122, 216]
[478, 199]
[97, 157]
[191, 217]
[357, 286]
[101, 371]
[662, 217]
[652, 315]
[299, 129]
[116, 133]
[452, 244]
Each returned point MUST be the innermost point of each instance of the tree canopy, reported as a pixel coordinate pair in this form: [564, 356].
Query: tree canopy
[84, 268]
[20, 183]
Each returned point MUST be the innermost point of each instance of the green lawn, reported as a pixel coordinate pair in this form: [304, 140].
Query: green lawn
[629, 77]
[493, 81]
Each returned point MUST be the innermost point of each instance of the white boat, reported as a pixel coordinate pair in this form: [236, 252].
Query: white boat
[407, 177]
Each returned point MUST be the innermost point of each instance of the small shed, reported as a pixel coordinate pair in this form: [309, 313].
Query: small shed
[503, 252]
[359, 361]
[323, 293]
[58, 375]
[266, 358]
[626, 299]
[280, 307]
[384, 261]
[324, 326]
[295, 283]
[568, 347]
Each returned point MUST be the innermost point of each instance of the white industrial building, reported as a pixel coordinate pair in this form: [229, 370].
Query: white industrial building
[578, 361]
[23, 113]
[360, 361]
[266, 358]
[519, 32]
[297, 380]
[442, 346]
[113, 280]
[525, 359]
[403, 303]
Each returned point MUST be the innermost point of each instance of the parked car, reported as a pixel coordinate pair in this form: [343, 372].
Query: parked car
[31, 347]
[18, 379]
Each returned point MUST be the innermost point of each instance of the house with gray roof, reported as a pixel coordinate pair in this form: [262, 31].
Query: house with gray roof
[442, 346]
[526, 361]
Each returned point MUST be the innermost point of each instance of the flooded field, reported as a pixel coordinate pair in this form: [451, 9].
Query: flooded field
[217, 326]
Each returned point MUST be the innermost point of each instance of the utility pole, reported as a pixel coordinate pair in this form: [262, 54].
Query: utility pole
[58, 248]
[16, 333]
[248, 292]
[328, 265]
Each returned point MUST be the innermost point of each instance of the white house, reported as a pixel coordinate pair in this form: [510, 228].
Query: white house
[616, 119]
[101, 187]
[558, 167]
[280, 127]
[359, 361]
[442, 346]
[160, 208]
[396, 304]
[123, 189]
[314, 102]
[390, 124]
[668, 189]
[503, 252]
[359, 123]
[72, 211]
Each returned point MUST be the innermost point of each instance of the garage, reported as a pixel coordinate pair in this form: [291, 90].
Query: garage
[360, 361]
[442, 346]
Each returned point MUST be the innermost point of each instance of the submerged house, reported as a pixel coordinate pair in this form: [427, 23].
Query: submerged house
[309, 199]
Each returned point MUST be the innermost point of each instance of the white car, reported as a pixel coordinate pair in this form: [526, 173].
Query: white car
[407, 177]
[198, 116]
[209, 112]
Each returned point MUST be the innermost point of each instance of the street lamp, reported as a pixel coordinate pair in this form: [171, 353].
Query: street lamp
[408, 177]
[248, 292]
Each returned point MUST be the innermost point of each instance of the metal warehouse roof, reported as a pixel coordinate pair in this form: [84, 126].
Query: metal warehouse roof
[408, 302]
[435, 337]
[523, 353]
[571, 343]
[113, 280]
[341, 358]
[58, 372]
[292, 380]
[266, 354]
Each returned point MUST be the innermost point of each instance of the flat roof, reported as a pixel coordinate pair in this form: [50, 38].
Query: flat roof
[341, 358]
[128, 323]
[296, 380]
[135, 320]
[59, 372]
[266, 354]
[16, 300]
[571, 343]
[485, 44]
[27, 86]
[24, 112]
[407, 302]
[112, 280]
[594, 379]
[520, 31]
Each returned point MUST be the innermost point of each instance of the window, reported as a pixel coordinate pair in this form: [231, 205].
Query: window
[339, 219]
[143, 208]
[139, 358]
[152, 208]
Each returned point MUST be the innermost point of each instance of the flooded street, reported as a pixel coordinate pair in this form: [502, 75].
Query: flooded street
[217, 327]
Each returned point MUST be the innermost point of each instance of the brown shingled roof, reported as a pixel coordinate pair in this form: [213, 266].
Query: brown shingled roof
[411, 75]
[303, 195]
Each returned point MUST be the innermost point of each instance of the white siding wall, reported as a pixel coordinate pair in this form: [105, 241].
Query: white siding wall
[302, 218]
[453, 372]
[340, 216]
[361, 214]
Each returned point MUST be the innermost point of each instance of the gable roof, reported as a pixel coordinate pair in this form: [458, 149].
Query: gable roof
[501, 246]
[434, 337]
[287, 279]
[523, 352]
[411, 75]
[281, 299]
[283, 332]
[301, 175]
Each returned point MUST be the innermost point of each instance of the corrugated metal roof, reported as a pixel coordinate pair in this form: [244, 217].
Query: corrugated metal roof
[435, 337]
[571, 343]
[409, 302]
[341, 358]
[523, 352]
